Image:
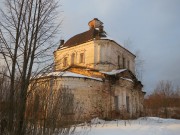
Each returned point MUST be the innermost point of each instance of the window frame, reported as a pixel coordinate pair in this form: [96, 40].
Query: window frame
[65, 62]
[73, 58]
[119, 60]
[128, 64]
[82, 58]
[128, 104]
[116, 103]
[68, 104]
[124, 62]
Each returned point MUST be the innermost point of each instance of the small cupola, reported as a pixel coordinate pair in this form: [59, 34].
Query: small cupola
[95, 23]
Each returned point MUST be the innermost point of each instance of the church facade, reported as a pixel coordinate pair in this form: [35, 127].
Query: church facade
[98, 76]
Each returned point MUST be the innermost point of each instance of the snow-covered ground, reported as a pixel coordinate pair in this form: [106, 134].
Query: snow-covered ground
[141, 126]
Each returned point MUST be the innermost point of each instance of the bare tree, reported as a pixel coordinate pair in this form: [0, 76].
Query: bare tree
[27, 30]
[139, 61]
[139, 66]
[52, 108]
[128, 44]
[164, 101]
[165, 90]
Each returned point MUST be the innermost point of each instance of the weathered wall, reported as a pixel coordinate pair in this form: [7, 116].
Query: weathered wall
[99, 54]
[107, 53]
[96, 98]
[88, 94]
[125, 88]
[86, 48]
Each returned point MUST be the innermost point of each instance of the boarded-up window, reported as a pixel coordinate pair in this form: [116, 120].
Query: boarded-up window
[127, 103]
[36, 103]
[67, 103]
[124, 62]
[128, 64]
[82, 59]
[118, 61]
[116, 100]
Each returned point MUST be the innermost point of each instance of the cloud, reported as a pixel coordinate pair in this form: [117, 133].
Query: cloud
[152, 26]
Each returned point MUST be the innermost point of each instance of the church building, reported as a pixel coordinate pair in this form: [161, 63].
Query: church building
[98, 75]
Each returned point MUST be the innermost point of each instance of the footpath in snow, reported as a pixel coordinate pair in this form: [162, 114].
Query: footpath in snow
[141, 126]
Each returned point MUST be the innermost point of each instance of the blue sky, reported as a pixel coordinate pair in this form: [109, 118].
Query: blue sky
[152, 26]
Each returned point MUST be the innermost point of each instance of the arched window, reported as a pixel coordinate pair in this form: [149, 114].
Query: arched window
[116, 103]
[127, 104]
[128, 64]
[82, 59]
[118, 61]
[124, 62]
[65, 62]
[73, 59]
